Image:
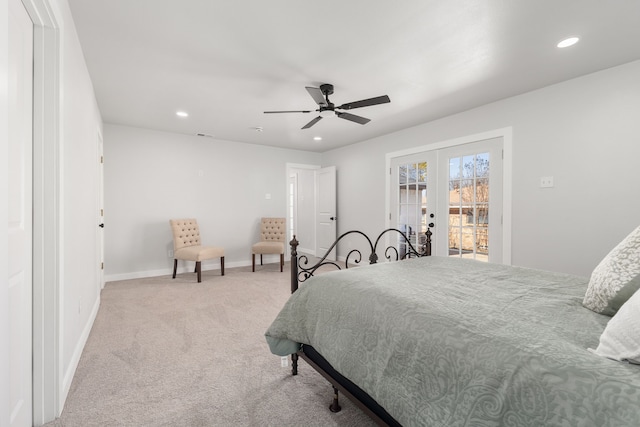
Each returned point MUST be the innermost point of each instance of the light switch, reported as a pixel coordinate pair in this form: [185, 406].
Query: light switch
[546, 182]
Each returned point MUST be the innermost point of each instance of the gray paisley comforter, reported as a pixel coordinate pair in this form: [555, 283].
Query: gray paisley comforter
[453, 342]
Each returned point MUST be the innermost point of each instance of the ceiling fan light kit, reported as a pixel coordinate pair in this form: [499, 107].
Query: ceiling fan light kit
[326, 107]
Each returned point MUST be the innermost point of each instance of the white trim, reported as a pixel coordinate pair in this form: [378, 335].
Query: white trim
[47, 368]
[507, 176]
[181, 269]
[77, 352]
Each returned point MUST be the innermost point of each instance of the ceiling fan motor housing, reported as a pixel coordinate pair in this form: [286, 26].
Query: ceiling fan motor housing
[327, 89]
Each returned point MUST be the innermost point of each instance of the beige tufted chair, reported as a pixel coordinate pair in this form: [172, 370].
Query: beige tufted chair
[187, 246]
[272, 240]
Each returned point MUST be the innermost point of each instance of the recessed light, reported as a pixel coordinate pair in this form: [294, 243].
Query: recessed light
[568, 42]
[317, 138]
[182, 114]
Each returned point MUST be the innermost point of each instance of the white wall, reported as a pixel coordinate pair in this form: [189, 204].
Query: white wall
[80, 124]
[152, 176]
[583, 132]
[4, 212]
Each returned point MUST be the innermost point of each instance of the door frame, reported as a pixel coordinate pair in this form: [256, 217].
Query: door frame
[47, 218]
[507, 173]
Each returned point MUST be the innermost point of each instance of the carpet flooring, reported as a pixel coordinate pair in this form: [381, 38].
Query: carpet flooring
[174, 352]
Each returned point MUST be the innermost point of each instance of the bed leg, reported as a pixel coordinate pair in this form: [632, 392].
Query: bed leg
[294, 364]
[335, 406]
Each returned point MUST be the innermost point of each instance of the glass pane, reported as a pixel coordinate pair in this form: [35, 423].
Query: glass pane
[402, 215]
[482, 215]
[467, 243]
[454, 168]
[403, 194]
[468, 167]
[454, 241]
[411, 173]
[466, 192]
[402, 174]
[482, 165]
[482, 190]
[454, 217]
[422, 168]
[482, 241]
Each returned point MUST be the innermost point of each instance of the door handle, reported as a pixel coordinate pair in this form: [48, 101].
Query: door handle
[333, 218]
[101, 225]
[431, 225]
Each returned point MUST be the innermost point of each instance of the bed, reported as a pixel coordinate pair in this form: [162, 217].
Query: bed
[439, 341]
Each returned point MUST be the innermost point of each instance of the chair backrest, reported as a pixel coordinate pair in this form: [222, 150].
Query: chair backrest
[273, 230]
[185, 233]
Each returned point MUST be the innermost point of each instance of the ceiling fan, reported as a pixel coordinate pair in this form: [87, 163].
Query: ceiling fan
[321, 97]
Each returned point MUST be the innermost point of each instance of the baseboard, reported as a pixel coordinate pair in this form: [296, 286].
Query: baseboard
[67, 377]
[169, 271]
[309, 251]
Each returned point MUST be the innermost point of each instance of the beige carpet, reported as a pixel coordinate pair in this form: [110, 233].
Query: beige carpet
[174, 352]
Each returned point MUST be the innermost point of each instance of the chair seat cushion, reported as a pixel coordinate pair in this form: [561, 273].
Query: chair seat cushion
[268, 248]
[198, 253]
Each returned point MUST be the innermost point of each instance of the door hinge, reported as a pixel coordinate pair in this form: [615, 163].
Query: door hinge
[101, 159]
[102, 266]
[101, 212]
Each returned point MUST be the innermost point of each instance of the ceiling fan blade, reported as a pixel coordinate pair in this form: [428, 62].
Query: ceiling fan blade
[317, 95]
[365, 102]
[353, 118]
[301, 111]
[312, 122]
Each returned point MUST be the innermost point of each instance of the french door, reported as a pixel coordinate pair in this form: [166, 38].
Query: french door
[413, 193]
[456, 192]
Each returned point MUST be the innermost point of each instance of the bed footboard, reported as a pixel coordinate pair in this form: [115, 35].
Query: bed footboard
[404, 248]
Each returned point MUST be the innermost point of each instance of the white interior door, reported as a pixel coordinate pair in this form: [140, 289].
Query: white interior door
[20, 227]
[326, 213]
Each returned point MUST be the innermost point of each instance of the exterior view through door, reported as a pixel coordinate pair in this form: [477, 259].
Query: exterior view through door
[455, 192]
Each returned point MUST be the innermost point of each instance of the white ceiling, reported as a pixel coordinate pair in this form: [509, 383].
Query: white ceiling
[225, 62]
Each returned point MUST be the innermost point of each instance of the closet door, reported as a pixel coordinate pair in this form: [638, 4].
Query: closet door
[20, 227]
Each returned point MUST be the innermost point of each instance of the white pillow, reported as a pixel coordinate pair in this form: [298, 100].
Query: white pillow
[616, 278]
[621, 338]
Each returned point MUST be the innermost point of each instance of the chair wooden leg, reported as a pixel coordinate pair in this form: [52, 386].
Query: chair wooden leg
[199, 271]
[281, 262]
[253, 262]
[222, 266]
[175, 267]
